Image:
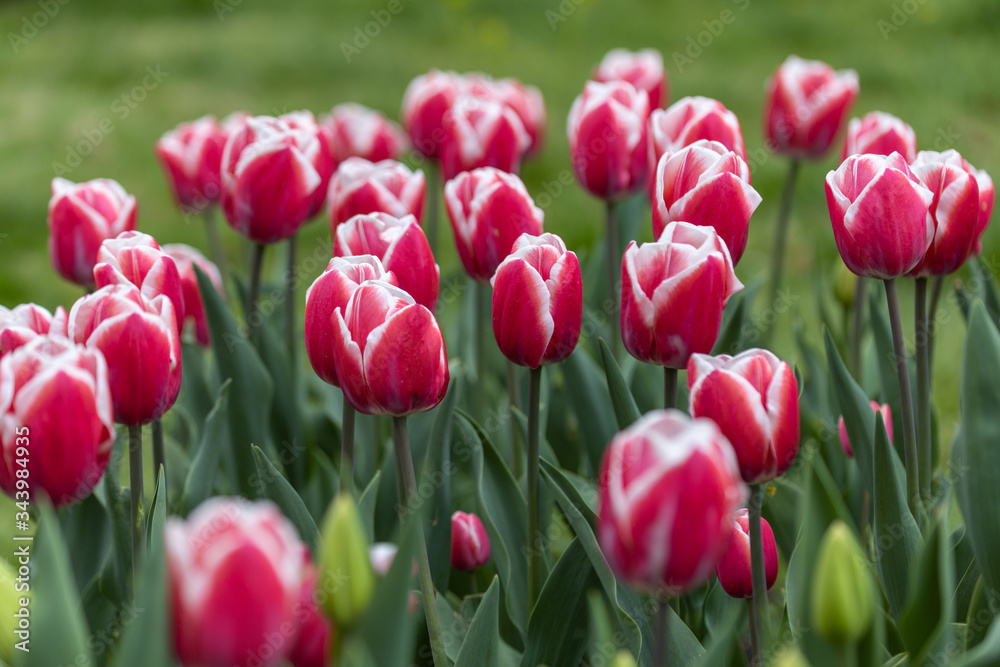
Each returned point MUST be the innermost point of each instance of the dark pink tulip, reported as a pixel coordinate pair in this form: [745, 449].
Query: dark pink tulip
[643, 69]
[27, 321]
[357, 131]
[607, 138]
[754, 399]
[186, 258]
[489, 209]
[986, 197]
[526, 101]
[667, 492]
[807, 103]
[880, 133]
[55, 420]
[733, 569]
[427, 100]
[389, 352]
[845, 443]
[81, 217]
[686, 121]
[673, 293]
[537, 301]
[707, 185]
[470, 545]
[482, 132]
[191, 158]
[314, 641]
[322, 160]
[359, 186]
[878, 208]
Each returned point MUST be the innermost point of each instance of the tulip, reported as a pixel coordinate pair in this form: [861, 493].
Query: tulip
[234, 571]
[643, 69]
[359, 186]
[427, 100]
[707, 185]
[186, 258]
[986, 197]
[886, 412]
[81, 217]
[322, 159]
[733, 568]
[315, 638]
[526, 101]
[344, 570]
[470, 545]
[842, 589]
[56, 427]
[357, 131]
[489, 209]
[402, 247]
[26, 322]
[191, 158]
[482, 132]
[880, 133]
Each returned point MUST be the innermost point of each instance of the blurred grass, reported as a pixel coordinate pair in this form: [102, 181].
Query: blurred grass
[935, 71]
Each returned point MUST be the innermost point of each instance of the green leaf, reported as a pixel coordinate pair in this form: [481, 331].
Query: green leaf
[885, 355]
[286, 415]
[982, 278]
[926, 623]
[437, 470]
[979, 616]
[214, 439]
[482, 641]
[157, 517]
[87, 530]
[622, 399]
[590, 403]
[275, 487]
[196, 392]
[733, 315]
[146, 639]
[987, 652]
[366, 507]
[116, 576]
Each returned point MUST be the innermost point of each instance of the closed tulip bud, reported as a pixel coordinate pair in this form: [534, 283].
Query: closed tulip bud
[139, 340]
[357, 131]
[26, 322]
[754, 398]
[667, 492]
[315, 638]
[344, 570]
[482, 132]
[806, 105]
[489, 209]
[402, 247]
[322, 159]
[81, 217]
[842, 590]
[234, 570]
[56, 422]
[986, 197]
[733, 568]
[623, 659]
[470, 545]
[709, 186]
[790, 656]
[878, 208]
[186, 258]
[191, 158]
[526, 101]
[886, 412]
[845, 286]
[607, 138]
[673, 293]
[880, 133]
[643, 69]
[537, 301]
[359, 186]
[426, 101]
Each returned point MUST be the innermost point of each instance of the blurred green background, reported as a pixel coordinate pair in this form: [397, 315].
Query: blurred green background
[65, 67]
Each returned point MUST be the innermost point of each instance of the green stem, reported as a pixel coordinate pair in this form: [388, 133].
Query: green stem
[754, 633]
[215, 241]
[758, 575]
[534, 547]
[159, 459]
[433, 195]
[781, 232]
[484, 329]
[613, 268]
[936, 286]
[404, 458]
[135, 490]
[661, 655]
[256, 262]
[905, 398]
[347, 449]
[857, 328]
[669, 387]
[291, 328]
[514, 390]
[923, 389]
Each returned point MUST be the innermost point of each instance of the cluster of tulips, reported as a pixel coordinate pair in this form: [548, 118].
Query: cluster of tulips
[674, 488]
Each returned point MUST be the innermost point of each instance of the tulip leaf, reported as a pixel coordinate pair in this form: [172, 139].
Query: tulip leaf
[983, 279]
[157, 517]
[214, 438]
[987, 652]
[437, 472]
[979, 616]
[115, 581]
[926, 624]
[885, 355]
[733, 315]
[196, 392]
[590, 403]
[87, 530]
[274, 486]
[146, 640]
[366, 507]
[622, 400]
[482, 641]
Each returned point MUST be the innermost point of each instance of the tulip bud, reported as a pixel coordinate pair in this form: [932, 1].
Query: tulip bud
[81, 217]
[322, 161]
[357, 131]
[191, 157]
[733, 568]
[643, 69]
[482, 132]
[315, 639]
[186, 258]
[526, 101]
[842, 593]
[425, 103]
[845, 286]
[882, 134]
[344, 570]
[470, 545]
[359, 187]
[27, 321]
[790, 657]
[9, 605]
[886, 412]
[623, 659]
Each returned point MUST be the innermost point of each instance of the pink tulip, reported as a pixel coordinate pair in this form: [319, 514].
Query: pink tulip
[668, 489]
[56, 428]
[733, 569]
[526, 101]
[191, 158]
[322, 160]
[427, 100]
[879, 212]
[845, 443]
[882, 134]
[357, 131]
[754, 399]
[707, 185]
[643, 69]
[314, 641]
[986, 197]
[482, 132]
[470, 545]
[186, 258]
[359, 186]
[26, 322]
[673, 293]
[81, 217]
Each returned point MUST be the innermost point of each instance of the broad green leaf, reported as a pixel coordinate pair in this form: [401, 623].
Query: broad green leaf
[214, 439]
[622, 400]
[286, 415]
[979, 616]
[196, 395]
[987, 652]
[481, 646]
[437, 471]
[87, 529]
[146, 639]
[733, 316]
[116, 576]
[590, 403]
[275, 487]
[985, 281]
[366, 506]
[926, 623]
[885, 355]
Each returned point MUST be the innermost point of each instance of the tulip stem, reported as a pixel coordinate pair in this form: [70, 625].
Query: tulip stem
[905, 399]
[613, 267]
[135, 492]
[534, 548]
[514, 391]
[936, 286]
[159, 459]
[669, 387]
[754, 633]
[781, 232]
[923, 388]
[347, 449]
[256, 262]
[858, 326]
[760, 622]
[661, 655]
[404, 463]
[482, 319]
[215, 241]
[291, 330]
[433, 192]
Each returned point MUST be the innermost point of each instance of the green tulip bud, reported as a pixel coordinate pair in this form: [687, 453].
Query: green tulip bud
[845, 285]
[623, 659]
[9, 605]
[345, 573]
[790, 657]
[842, 595]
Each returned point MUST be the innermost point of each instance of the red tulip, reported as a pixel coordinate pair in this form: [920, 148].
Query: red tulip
[26, 322]
[807, 104]
[191, 158]
[357, 131]
[879, 212]
[643, 69]
[986, 197]
[314, 641]
[56, 428]
[481, 132]
[733, 569]
[707, 185]
[754, 399]
[322, 160]
[426, 101]
[489, 209]
[845, 443]
[186, 258]
[359, 186]
[234, 571]
[526, 101]
[537, 301]
[402, 247]
[667, 492]
[138, 337]
[607, 138]
[389, 352]
[331, 291]
[882, 134]
[673, 293]
[81, 217]
[470, 545]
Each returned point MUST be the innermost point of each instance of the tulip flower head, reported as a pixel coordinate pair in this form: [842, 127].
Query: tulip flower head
[27, 321]
[427, 100]
[482, 132]
[880, 133]
[470, 545]
[357, 131]
[733, 568]
[359, 186]
[643, 69]
[186, 258]
[689, 119]
[191, 158]
[845, 443]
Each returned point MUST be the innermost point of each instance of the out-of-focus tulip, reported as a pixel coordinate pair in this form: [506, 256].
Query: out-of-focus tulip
[643, 69]
[27, 321]
[470, 545]
[55, 420]
[426, 101]
[139, 339]
[402, 247]
[806, 105]
[322, 160]
[886, 412]
[345, 573]
[186, 258]
[482, 132]
[667, 492]
[845, 286]
[359, 186]
[607, 138]
[389, 352]
[357, 131]
[537, 301]
[842, 589]
[880, 133]
[689, 119]
[673, 293]
[235, 575]
[733, 568]
[316, 633]
[489, 209]
[986, 198]
[707, 185]
[81, 217]
[754, 398]
[526, 101]
[878, 208]
[381, 555]
[191, 158]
